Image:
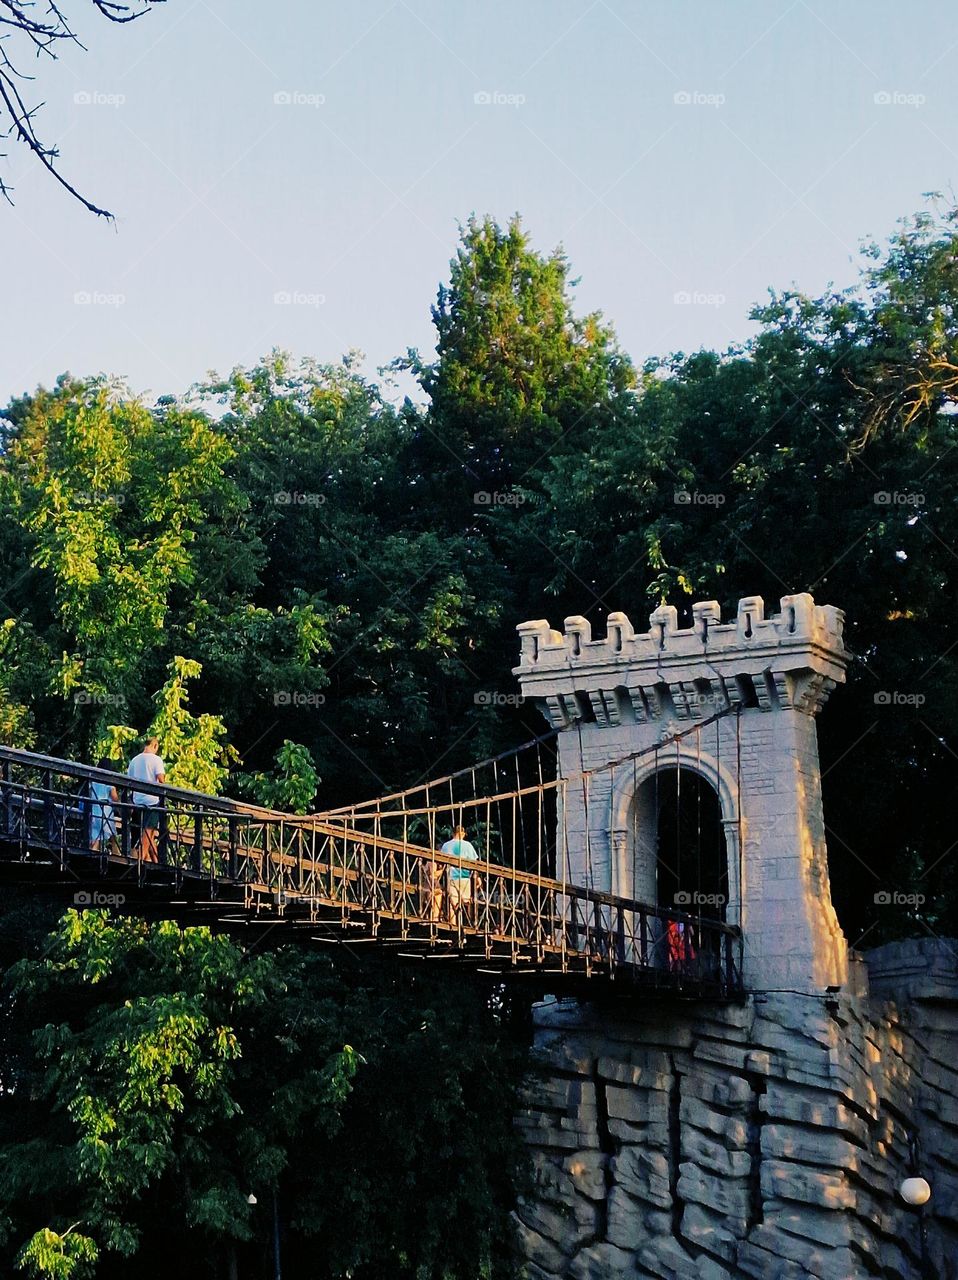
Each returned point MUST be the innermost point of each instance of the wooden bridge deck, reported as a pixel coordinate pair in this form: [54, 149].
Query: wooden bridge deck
[237, 866]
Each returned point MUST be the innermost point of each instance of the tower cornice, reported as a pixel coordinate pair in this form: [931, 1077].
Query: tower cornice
[792, 659]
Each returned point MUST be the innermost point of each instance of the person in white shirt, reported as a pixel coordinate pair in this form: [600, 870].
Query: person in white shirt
[148, 768]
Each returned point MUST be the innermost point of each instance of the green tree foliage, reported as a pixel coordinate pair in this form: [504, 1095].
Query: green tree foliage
[60, 1257]
[195, 744]
[114, 500]
[781, 467]
[292, 784]
[912, 374]
[165, 1075]
[123, 1073]
[127, 545]
[346, 520]
[517, 374]
[321, 553]
[16, 721]
[314, 565]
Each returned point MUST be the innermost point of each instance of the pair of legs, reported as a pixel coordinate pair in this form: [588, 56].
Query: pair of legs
[459, 894]
[149, 833]
[432, 890]
[104, 833]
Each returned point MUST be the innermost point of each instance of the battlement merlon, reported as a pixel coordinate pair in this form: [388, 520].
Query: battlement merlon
[792, 659]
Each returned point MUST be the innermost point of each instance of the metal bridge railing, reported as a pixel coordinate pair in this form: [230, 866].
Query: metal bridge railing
[365, 883]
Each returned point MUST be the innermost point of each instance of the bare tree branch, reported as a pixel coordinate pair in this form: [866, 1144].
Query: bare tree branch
[44, 30]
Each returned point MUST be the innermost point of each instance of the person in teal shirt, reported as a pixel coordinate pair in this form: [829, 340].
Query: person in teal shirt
[459, 883]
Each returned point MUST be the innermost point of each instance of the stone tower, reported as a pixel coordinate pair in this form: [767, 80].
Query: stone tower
[764, 1138]
[753, 686]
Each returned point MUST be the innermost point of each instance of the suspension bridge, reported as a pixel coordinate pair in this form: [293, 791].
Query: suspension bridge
[371, 874]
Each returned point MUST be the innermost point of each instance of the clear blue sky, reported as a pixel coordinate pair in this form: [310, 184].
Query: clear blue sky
[780, 163]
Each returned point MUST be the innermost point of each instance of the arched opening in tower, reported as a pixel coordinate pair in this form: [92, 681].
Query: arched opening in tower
[677, 844]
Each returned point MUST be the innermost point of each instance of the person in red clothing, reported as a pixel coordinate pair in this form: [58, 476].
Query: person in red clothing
[681, 951]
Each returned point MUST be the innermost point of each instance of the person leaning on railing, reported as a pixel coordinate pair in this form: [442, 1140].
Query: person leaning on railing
[147, 767]
[103, 796]
[681, 950]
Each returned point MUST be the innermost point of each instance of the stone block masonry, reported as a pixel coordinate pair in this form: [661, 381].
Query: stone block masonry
[766, 1139]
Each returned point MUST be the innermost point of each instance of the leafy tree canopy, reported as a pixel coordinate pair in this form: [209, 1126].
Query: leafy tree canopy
[157, 1077]
[286, 574]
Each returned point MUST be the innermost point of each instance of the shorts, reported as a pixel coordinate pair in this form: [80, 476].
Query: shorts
[103, 825]
[460, 891]
[149, 816]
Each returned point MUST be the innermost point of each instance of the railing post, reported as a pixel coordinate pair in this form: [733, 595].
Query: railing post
[488, 892]
[379, 864]
[163, 842]
[257, 862]
[330, 863]
[197, 855]
[49, 812]
[126, 811]
[7, 799]
[232, 859]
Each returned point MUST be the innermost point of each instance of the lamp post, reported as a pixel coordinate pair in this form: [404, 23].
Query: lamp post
[277, 1259]
[277, 1264]
[916, 1192]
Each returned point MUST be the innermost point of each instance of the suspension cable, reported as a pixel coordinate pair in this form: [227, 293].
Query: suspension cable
[436, 782]
[458, 807]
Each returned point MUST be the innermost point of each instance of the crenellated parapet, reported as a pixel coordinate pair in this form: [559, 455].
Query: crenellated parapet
[792, 659]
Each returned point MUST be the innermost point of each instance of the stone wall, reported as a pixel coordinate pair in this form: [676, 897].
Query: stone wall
[762, 1139]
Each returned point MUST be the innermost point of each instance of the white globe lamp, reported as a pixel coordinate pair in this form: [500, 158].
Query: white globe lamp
[915, 1191]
